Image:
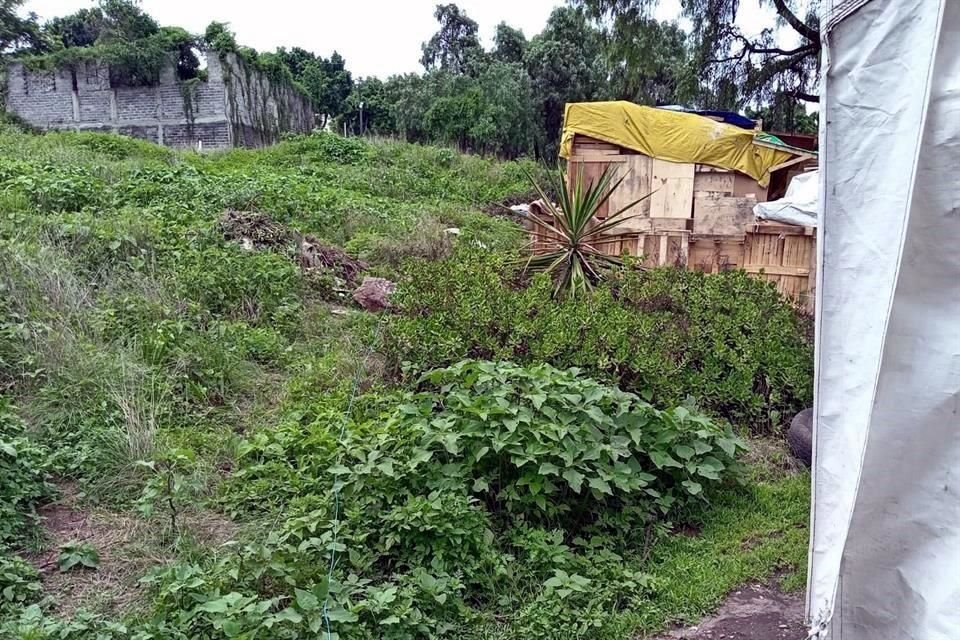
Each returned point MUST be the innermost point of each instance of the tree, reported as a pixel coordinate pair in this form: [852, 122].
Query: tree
[565, 63]
[786, 113]
[110, 21]
[296, 59]
[649, 62]
[339, 84]
[736, 69]
[509, 44]
[125, 20]
[17, 32]
[376, 112]
[508, 118]
[326, 81]
[80, 29]
[456, 46]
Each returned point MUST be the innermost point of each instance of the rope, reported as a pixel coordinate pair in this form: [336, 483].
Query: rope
[355, 387]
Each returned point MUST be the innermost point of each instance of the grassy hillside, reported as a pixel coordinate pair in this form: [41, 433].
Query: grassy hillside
[223, 445]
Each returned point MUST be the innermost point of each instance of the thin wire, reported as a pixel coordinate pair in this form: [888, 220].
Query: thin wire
[357, 376]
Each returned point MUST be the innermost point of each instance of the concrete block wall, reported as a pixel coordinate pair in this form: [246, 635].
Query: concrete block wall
[235, 106]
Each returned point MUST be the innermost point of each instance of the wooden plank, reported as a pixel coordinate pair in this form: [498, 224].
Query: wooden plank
[598, 157]
[636, 183]
[712, 253]
[650, 225]
[790, 163]
[713, 181]
[673, 184]
[744, 185]
[714, 213]
[589, 172]
[782, 229]
[774, 270]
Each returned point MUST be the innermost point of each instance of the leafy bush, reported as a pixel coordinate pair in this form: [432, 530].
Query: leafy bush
[23, 476]
[19, 585]
[448, 480]
[538, 438]
[727, 340]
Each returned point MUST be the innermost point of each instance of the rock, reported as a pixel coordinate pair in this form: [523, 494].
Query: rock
[373, 294]
[800, 436]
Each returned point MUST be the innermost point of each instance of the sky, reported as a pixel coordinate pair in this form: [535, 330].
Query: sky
[376, 37]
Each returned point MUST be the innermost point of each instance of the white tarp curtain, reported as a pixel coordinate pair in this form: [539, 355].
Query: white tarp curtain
[885, 542]
[798, 205]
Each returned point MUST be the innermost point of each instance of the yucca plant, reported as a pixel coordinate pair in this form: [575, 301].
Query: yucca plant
[574, 238]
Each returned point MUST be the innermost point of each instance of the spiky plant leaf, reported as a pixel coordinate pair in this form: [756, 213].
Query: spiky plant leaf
[573, 234]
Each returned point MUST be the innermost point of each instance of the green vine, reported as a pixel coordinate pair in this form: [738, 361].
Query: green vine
[187, 90]
[131, 63]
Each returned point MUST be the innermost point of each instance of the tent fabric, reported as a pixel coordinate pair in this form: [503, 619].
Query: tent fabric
[672, 136]
[797, 206]
[885, 526]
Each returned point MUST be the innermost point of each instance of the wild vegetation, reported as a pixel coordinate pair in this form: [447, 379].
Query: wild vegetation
[201, 437]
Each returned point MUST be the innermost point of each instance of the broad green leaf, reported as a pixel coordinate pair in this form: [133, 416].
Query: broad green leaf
[684, 451]
[549, 469]
[306, 600]
[289, 615]
[701, 447]
[339, 614]
[663, 459]
[600, 485]
[694, 488]
[574, 478]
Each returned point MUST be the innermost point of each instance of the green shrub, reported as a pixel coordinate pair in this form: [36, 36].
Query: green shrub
[19, 585]
[23, 477]
[727, 340]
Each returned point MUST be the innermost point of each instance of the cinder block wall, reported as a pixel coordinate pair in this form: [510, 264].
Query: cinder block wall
[236, 106]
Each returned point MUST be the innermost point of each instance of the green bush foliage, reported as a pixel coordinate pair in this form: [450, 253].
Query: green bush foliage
[19, 585]
[455, 479]
[23, 477]
[727, 340]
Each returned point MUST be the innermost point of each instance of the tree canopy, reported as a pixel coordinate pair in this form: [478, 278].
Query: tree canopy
[735, 69]
[456, 46]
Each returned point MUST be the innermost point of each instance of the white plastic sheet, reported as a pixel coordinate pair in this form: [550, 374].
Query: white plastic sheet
[798, 205]
[885, 543]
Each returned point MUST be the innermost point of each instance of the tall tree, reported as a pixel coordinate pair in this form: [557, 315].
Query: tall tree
[16, 31]
[509, 44]
[339, 84]
[737, 69]
[649, 62]
[456, 46]
[566, 64]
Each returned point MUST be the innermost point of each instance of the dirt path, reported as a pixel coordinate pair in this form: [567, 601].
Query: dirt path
[754, 612]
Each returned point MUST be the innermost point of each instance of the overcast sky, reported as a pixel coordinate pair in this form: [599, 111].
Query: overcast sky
[376, 37]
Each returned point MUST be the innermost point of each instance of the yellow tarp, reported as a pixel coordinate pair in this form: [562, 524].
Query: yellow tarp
[671, 135]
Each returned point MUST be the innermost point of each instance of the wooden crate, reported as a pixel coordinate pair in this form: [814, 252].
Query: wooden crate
[785, 255]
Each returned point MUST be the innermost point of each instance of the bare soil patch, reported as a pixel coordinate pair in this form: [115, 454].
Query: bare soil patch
[128, 547]
[753, 612]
